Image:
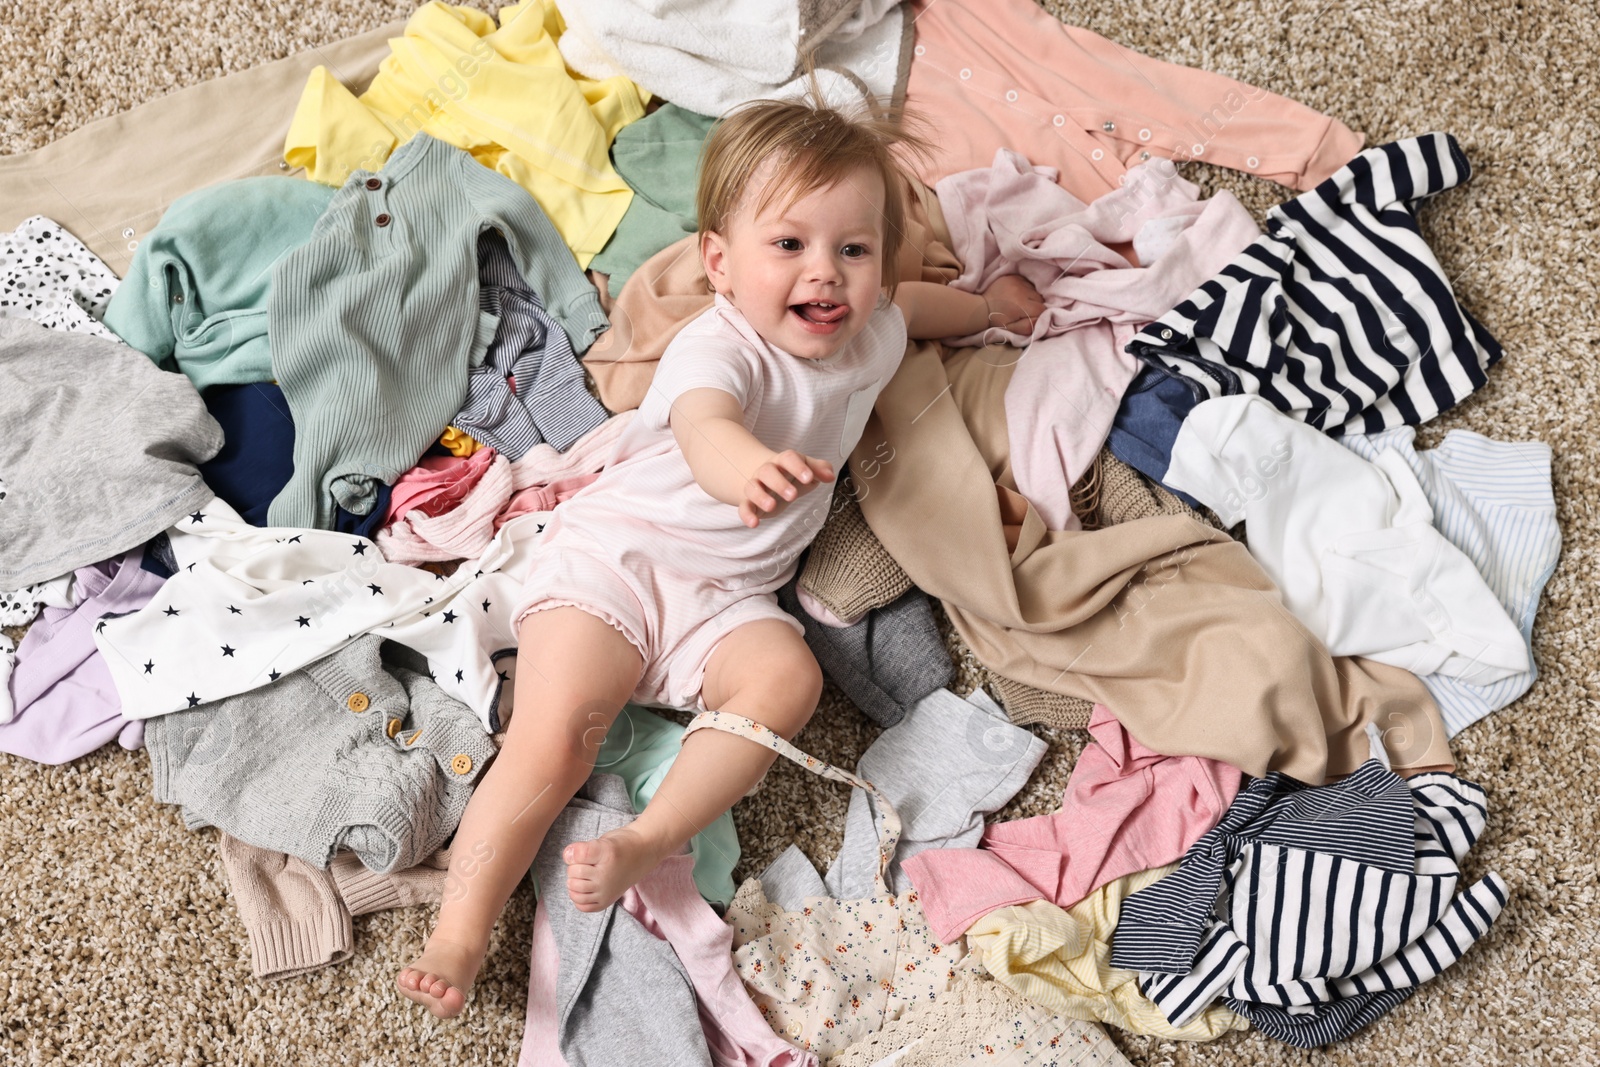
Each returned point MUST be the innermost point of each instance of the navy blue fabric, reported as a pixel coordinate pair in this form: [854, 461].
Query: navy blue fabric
[257, 456]
[1147, 423]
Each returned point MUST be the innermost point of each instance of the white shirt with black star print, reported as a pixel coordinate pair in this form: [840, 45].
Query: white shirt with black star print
[248, 605]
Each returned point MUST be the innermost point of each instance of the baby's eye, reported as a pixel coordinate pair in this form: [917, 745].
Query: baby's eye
[854, 251]
[788, 244]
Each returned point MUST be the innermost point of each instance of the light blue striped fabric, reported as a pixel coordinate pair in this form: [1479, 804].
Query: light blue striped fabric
[548, 403]
[1492, 500]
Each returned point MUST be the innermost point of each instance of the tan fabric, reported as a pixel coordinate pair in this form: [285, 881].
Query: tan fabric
[1084, 496]
[848, 569]
[670, 290]
[290, 909]
[1124, 495]
[1167, 621]
[298, 917]
[1110, 492]
[365, 891]
[110, 182]
[1027, 704]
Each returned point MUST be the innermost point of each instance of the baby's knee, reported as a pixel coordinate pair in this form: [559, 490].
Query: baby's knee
[800, 672]
[793, 683]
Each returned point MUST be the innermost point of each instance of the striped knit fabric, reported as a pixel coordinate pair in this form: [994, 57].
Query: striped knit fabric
[375, 321]
[1493, 501]
[529, 388]
[1340, 315]
[1315, 910]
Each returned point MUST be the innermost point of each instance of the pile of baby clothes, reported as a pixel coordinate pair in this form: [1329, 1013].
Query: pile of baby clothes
[323, 409]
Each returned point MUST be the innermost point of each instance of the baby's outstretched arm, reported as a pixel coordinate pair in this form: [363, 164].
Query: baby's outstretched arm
[936, 311]
[732, 465]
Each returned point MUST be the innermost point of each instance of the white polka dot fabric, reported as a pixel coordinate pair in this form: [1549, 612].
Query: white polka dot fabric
[47, 275]
[19, 607]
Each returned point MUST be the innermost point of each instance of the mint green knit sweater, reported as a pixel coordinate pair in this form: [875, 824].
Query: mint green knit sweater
[375, 321]
[195, 296]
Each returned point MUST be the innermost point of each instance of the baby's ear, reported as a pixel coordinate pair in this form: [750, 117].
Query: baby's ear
[714, 260]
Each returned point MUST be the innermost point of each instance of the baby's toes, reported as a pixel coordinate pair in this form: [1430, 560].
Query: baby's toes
[581, 854]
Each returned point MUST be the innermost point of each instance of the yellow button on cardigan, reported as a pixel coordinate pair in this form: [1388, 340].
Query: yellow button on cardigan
[501, 93]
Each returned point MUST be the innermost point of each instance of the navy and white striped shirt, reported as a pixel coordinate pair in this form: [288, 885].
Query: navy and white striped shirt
[1340, 315]
[548, 403]
[1314, 910]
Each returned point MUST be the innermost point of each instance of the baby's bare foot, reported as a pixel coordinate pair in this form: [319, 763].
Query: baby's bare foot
[441, 977]
[600, 871]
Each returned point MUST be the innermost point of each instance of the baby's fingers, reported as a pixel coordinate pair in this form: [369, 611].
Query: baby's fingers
[795, 465]
[780, 477]
[758, 490]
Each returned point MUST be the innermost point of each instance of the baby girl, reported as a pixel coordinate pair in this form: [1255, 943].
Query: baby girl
[655, 583]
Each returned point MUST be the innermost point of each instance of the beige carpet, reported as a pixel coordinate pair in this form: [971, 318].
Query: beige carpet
[118, 943]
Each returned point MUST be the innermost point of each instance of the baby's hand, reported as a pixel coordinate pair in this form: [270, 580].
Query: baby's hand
[1014, 304]
[781, 480]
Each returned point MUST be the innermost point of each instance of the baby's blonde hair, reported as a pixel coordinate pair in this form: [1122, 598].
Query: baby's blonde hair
[813, 147]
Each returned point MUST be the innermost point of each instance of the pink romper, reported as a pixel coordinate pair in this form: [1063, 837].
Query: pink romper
[652, 553]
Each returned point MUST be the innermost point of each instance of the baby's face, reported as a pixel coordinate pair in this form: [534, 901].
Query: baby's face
[806, 275]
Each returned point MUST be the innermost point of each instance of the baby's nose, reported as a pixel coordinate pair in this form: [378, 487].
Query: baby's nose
[823, 267]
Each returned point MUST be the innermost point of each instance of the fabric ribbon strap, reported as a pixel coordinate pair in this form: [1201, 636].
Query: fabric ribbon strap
[888, 827]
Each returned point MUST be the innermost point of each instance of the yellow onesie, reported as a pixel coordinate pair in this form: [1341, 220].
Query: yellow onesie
[1061, 961]
[502, 93]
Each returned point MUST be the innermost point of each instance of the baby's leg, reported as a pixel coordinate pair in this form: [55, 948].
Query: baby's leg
[574, 672]
[762, 671]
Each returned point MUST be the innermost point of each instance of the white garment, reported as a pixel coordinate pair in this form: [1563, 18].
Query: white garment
[19, 607]
[1350, 544]
[1493, 501]
[248, 605]
[47, 275]
[8, 660]
[711, 55]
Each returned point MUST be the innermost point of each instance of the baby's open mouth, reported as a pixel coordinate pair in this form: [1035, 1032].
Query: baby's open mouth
[821, 312]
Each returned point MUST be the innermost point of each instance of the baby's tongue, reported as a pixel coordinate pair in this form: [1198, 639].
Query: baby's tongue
[821, 314]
